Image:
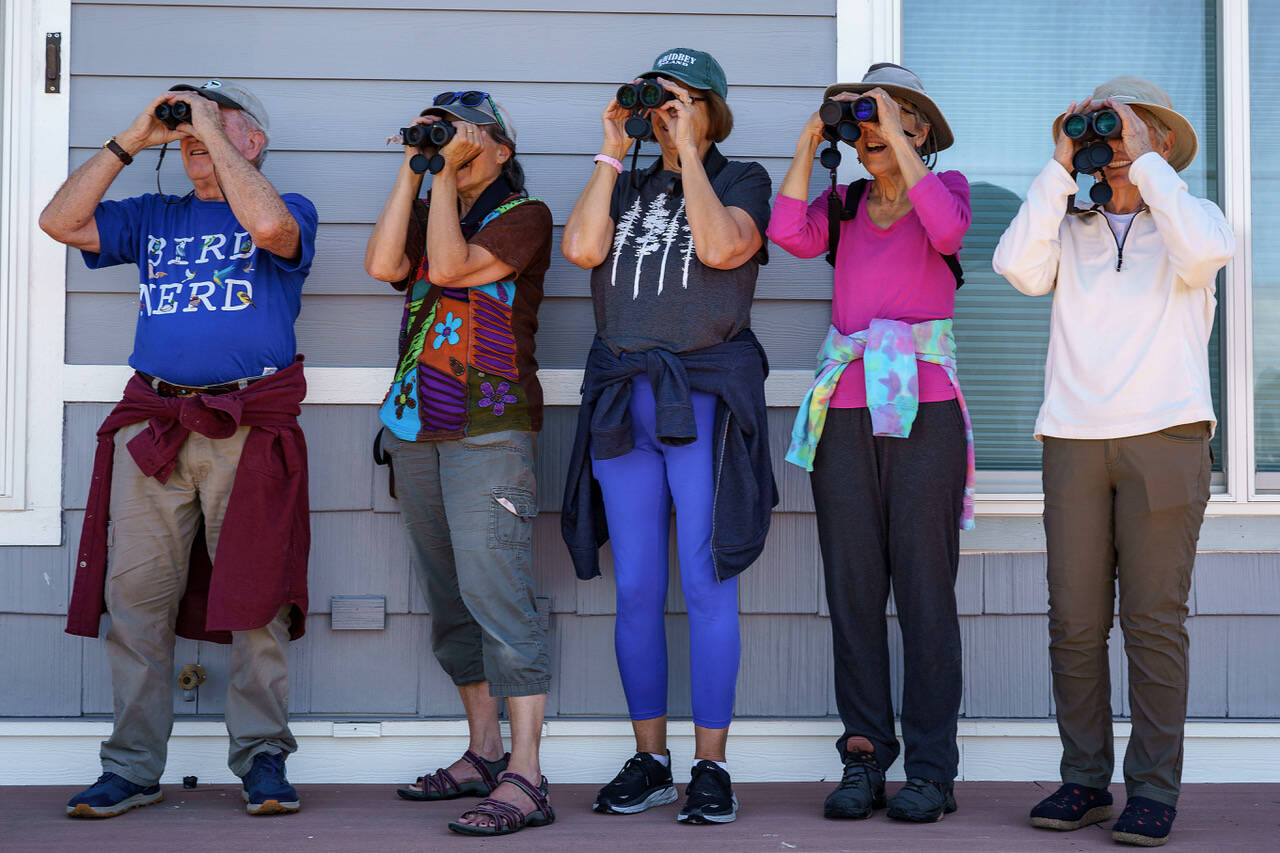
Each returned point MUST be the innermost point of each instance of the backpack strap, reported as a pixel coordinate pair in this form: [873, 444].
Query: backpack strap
[837, 213]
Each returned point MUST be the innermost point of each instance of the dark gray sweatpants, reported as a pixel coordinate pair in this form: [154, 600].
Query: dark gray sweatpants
[889, 509]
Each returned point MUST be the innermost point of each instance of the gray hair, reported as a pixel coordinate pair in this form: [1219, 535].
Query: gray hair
[1159, 130]
[254, 127]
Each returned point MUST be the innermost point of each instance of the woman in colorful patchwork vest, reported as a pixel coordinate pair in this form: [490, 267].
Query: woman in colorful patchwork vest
[885, 432]
[1126, 423]
[672, 412]
[460, 424]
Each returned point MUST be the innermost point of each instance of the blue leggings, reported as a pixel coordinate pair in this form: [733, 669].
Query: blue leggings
[638, 491]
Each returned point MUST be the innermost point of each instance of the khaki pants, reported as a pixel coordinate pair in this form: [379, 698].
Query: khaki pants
[149, 542]
[1123, 511]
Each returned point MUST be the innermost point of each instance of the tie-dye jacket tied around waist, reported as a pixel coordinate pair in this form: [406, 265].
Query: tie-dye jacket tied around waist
[889, 350]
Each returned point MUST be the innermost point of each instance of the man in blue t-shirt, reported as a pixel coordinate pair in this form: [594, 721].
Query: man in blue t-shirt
[220, 280]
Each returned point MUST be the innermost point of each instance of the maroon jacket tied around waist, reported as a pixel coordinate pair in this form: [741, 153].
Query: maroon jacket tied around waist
[261, 563]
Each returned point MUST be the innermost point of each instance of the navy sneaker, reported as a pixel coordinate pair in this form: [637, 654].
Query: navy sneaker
[1072, 807]
[111, 795]
[1144, 823]
[709, 796]
[922, 801]
[860, 791]
[642, 783]
[266, 790]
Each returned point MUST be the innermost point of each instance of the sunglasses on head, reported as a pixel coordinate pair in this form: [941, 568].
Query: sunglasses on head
[471, 98]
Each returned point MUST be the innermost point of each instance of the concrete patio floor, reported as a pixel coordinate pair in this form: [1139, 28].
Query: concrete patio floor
[774, 817]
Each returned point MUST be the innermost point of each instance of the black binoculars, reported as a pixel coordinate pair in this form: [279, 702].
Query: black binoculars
[841, 118]
[640, 98]
[1094, 154]
[173, 114]
[435, 135]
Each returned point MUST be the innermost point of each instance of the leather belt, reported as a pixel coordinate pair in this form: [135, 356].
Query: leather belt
[169, 389]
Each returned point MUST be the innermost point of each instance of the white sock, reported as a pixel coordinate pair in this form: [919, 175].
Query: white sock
[723, 765]
[664, 760]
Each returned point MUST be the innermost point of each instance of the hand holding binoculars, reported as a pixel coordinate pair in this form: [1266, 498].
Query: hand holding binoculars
[173, 114]
[1090, 131]
[640, 98]
[424, 136]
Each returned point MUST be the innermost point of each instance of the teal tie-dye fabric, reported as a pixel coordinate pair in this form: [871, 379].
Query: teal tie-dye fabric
[889, 350]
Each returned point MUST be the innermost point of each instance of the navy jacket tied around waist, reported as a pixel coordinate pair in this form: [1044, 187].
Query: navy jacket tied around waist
[745, 492]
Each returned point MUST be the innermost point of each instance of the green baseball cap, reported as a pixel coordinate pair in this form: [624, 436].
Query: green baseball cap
[695, 68]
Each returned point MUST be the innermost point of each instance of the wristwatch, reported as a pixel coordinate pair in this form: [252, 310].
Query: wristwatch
[114, 147]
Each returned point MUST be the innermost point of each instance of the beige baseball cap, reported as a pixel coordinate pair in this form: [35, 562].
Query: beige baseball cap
[230, 94]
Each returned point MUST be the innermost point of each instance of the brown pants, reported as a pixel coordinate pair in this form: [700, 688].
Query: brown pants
[149, 542]
[1124, 511]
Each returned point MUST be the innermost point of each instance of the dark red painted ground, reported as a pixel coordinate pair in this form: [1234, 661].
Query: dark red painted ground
[774, 817]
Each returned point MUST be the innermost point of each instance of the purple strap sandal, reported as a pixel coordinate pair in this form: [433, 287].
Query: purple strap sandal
[441, 785]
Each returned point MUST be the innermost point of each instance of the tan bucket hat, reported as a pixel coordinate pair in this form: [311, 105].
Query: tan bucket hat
[901, 83]
[1143, 93]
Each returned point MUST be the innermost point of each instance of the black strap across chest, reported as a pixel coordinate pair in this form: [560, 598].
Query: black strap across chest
[838, 213]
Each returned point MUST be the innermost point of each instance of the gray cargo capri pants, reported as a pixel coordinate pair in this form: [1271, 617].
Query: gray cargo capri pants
[468, 506]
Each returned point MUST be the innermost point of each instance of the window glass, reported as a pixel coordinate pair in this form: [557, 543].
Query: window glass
[1264, 78]
[1001, 72]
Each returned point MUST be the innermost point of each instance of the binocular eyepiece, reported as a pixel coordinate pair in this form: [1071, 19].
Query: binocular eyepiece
[435, 135]
[640, 98]
[173, 114]
[841, 118]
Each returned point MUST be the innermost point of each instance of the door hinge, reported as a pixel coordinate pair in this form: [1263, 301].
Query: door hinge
[52, 62]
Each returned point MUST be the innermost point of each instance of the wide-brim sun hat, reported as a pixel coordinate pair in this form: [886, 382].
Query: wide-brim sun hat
[1137, 92]
[901, 83]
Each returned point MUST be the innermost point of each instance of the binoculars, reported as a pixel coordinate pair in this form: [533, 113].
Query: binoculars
[1091, 130]
[640, 98]
[435, 135]
[174, 114]
[841, 118]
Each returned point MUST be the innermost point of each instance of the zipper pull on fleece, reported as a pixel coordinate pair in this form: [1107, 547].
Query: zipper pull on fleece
[1119, 257]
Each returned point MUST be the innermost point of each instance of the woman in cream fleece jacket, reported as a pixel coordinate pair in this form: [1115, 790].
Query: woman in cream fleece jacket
[1126, 423]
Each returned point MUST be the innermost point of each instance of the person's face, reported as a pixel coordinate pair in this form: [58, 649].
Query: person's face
[484, 168]
[247, 139]
[875, 154]
[663, 123]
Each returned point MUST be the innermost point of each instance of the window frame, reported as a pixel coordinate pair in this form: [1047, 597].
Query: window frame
[871, 31]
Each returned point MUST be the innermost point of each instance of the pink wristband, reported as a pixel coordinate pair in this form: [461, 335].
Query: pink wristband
[605, 158]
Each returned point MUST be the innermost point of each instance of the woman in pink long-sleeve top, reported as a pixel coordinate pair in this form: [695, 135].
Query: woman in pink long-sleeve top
[886, 436]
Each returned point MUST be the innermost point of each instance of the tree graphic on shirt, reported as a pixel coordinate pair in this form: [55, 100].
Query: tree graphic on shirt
[620, 235]
[655, 226]
[669, 236]
[688, 249]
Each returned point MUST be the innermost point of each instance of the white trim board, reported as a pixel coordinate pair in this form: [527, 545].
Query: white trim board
[33, 162]
[65, 752]
[365, 386]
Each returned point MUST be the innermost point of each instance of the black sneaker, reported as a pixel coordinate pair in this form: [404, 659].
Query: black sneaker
[1144, 823]
[111, 795]
[922, 801]
[1072, 807]
[861, 789]
[642, 783]
[709, 796]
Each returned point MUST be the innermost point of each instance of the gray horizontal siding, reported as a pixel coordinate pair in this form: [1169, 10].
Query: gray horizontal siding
[358, 548]
[743, 7]
[383, 44]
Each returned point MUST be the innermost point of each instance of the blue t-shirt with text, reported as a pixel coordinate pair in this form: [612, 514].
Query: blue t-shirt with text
[211, 307]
